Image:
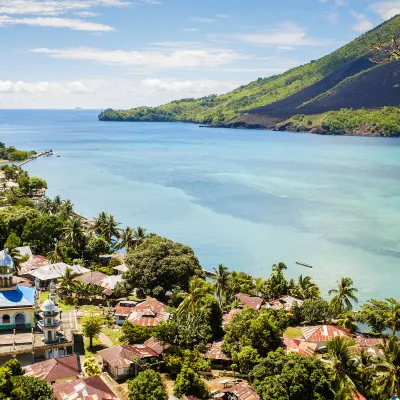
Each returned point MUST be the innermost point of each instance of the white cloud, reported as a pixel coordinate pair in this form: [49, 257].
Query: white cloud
[332, 16]
[170, 58]
[363, 24]
[43, 87]
[386, 9]
[87, 14]
[202, 20]
[55, 22]
[54, 7]
[286, 34]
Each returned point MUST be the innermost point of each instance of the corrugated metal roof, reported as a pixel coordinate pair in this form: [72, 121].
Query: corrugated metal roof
[109, 282]
[250, 301]
[323, 333]
[284, 303]
[55, 271]
[156, 346]
[226, 318]
[92, 277]
[242, 392]
[55, 368]
[35, 262]
[300, 346]
[215, 352]
[92, 388]
[121, 355]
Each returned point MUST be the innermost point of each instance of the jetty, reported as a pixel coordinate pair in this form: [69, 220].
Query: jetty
[34, 157]
[304, 264]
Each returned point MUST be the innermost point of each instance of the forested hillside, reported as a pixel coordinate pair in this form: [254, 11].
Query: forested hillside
[345, 78]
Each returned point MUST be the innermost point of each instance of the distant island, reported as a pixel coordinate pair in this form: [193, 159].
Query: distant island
[342, 93]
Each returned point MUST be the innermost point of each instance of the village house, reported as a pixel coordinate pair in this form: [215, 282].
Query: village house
[92, 388]
[123, 310]
[35, 262]
[284, 303]
[226, 318]
[250, 301]
[123, 361]
[240, 391]
[219, 359]
[299, 346]
[150, 312]
[321, 334]
[107, 283]
[158, 347]
[56, 369]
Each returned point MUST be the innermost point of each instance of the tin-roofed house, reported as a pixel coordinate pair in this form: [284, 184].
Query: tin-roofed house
[123, 361]
[219, 359]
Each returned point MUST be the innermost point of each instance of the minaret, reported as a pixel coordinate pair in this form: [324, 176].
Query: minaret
[7, 271]
[52, 293]
[50, 323]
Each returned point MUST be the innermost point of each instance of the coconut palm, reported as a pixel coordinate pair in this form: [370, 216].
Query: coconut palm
[388, 369]
[139, 234]
[127, 239]
[193, 300]
[56, 255]
[46, 206]
[106, 226]
[67, 208]
[57, 203]
[67, 282]
[72, 233]
[100, 222]
[221, 283]
[344, 295]
[344, 363]
[15, 255]
[306, 288]
[348, 320]
[259, 285]
[393, 315]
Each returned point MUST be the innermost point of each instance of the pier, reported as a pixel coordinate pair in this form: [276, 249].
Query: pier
[42, 154]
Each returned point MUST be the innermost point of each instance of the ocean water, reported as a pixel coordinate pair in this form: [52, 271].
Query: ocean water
[243, 198]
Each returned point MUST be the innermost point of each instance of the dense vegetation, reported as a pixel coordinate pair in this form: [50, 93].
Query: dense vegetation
[221, 109]
[13, 154]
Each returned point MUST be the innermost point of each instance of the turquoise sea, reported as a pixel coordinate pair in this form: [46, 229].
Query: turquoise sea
[244, 198]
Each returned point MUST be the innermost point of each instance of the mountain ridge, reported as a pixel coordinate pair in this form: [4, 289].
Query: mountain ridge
[345, 78]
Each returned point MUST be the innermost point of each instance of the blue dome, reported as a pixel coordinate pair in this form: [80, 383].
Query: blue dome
[6, 260]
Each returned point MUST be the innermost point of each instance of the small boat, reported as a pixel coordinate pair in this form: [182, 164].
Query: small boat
[304, 264]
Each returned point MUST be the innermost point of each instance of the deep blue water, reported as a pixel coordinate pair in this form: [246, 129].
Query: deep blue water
[243, 198]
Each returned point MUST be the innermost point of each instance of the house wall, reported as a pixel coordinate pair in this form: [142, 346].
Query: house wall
[120, 320]
[29, 318]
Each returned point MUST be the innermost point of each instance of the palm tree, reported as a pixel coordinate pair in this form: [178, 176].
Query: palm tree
[194, 298]
[393, 315]
[344, 363]
[67, 282]
[67, 208]
[221, 283]
[56, 255]
[306, 288]
[348, 321]
[15, 255]
[46, 206]
[139, 234]
[106, 226]
[100, 222]
[388, 369]
[127, 239]
[259, 284]
[73, 233]
[344, 295]
[57, 202]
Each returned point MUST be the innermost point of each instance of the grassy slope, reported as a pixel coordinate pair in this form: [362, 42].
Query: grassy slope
[258, 93]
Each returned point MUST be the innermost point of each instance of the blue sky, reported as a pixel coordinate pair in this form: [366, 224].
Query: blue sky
[126, 53]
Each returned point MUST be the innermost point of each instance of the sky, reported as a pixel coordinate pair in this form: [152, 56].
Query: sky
[127, 53]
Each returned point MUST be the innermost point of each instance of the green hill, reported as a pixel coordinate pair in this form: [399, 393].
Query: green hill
[339, 80]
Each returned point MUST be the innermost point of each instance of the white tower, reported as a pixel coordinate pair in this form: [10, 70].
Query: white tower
[7, 270]
[52, 293]
[49, 324]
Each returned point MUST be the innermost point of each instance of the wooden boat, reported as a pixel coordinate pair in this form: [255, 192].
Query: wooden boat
[304, 264]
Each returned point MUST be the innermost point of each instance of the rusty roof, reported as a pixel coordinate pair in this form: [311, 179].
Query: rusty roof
[323, 333]
[299, 346]
[92, 388]
[123, 311]
[226, 318]
[151, 304]
[31, 264]
[284, 303]
[156, 345]
[121, 355]
[143, 318]
[92, 277]
[250, 301]
[215, 352]
[242, 391]
[55, 368]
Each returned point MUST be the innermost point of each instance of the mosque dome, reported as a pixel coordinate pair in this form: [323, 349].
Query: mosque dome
[6, 260]
[48, 306]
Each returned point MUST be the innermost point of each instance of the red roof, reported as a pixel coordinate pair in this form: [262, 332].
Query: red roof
[33, 263]
[299, 346]
[92, 277]
[156, 346]
[55, 368]
[150, 312]
[121, 355]
[323, 333]
[92, 388]
[242, 392]
[226, 318]
[250, 301]
[123, 311]
[215, 352]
